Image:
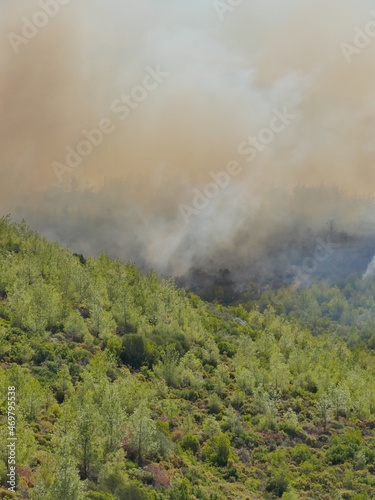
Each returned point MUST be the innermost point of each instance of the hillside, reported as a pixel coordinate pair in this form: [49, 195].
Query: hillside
[129, 388]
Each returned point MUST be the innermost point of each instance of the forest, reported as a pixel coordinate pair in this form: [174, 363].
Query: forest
[128, 387]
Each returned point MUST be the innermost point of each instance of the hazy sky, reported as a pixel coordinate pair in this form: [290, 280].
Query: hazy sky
[219, 75]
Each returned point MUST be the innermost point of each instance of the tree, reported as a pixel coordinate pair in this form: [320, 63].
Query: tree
[45, 479]
[278, 478]
[370, 393]
[75, 326]
[112, 417]
[131, 492]
[340, 399]
[43, 307]
[142, 434]
[122, 305]
[211, 427]
[279, 372]
[67, 485]
[232, 421]
[266, 403]
[324, 408]
[291, 421]
[168, 368]
[64, 386]
[101, 320]
[33, 399]
[245, 380]
[301, 453]
[87, 449]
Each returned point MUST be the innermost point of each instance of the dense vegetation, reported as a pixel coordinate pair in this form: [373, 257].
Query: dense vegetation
[129, 388]
[345, 308]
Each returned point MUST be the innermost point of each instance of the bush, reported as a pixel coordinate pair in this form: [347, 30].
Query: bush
[227, 348]
[163, 427]
[290, 494]
[130, 492]
[180, 491]
[344, 447]
[44, 352]
[217, 450]
[189, 394]
[238, 399]
[215, 404]
[301, 453]
[169, 367]
[337, 454]
[96, 495]
[190, 442]
[277, 482]
[164, 336]
[134, 350]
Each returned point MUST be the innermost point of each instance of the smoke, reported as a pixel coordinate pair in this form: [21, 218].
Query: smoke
[223, 81]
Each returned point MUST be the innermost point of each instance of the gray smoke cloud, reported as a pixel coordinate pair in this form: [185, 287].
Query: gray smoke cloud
[223, 79]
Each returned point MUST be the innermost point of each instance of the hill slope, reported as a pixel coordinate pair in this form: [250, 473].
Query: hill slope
[129, 388]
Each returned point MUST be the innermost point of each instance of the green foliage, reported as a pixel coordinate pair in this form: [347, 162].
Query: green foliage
[134, 350]
[180, 491]
[301, 453]
[169, 366]
[190, 442]
[346, 448]
[278, 479]
[66, 482]
[120, 376]
[215, 404]
[324, 408]
[142, 435]
[131, 492]
[217, 450]
[290, 494]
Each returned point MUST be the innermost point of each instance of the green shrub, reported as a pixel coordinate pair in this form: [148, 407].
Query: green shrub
[277, 482]
[217, 450]
[163, 336]
[98, 495]
[190, 442]
[163, 427]
[238, 399]
[227, 348]
[44, 352]
[215, 404]
[189, 394]
[278, 479]
[134, 350]
[130, 492]
[290, 494]
[301, 453]
[344, 447]
[180, 491]
[337, 454]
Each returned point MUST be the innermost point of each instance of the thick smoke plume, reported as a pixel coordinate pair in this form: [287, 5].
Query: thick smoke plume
[224, 76]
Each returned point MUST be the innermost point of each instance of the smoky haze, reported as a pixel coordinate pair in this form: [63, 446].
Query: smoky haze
[223, 80]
